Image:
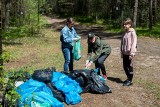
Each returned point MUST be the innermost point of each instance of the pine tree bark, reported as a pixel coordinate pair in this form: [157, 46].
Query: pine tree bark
[38, 14]
[7, 15]
[135, 13]
[122, 12]
[96, 10]
[1, 60]
[150, 14]
[155, 12]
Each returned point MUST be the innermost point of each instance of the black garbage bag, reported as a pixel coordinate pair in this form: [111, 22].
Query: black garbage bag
[43, 75]
[80, 76]
[89, 81]
[97, 85]
[56, 93]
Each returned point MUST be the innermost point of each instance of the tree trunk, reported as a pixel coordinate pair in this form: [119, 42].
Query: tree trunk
[155, 12]
[122, 11]
[7, 15]
[96, 11]
[1, 60]
[21, 12]
[135, 13]
[18, 13]
[150, 15]
[38, 14]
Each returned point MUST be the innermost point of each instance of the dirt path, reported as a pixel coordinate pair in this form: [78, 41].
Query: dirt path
[145, 92]
[146, 74]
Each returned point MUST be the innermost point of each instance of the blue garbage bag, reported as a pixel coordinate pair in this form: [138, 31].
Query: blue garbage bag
[33, 90]
[69, 87]
[73, 98]
[36, 104]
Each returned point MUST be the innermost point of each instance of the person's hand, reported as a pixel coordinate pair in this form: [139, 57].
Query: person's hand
[131, 57]
[87, 61]
[76, 39]
[88, 65]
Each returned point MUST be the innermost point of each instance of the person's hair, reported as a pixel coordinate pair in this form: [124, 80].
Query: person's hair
[128, 21]
[69, 20]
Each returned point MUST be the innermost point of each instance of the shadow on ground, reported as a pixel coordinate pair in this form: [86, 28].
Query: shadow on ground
[117, 80]
[11, 43]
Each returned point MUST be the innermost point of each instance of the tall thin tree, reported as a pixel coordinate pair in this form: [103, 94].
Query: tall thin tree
[150, 14]
[38, 14]
[1, 60]
[122, 11]
[155, 12]
[135, 13]
[7, 15]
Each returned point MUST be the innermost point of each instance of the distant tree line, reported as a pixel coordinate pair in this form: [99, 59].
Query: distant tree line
[17, 18]
[142, 12]
[18, 13]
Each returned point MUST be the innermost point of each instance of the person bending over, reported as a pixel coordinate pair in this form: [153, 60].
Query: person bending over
[101, 51]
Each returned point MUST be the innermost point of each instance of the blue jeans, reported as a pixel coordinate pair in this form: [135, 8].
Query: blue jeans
[68, 57]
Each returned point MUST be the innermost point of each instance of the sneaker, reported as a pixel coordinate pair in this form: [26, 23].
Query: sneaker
[109, 91]
[105, 77]
[127, 83]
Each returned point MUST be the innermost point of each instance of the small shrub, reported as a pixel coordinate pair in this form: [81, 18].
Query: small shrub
[11, 95]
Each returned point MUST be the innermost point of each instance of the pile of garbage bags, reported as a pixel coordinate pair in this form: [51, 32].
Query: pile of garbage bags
[47, 88]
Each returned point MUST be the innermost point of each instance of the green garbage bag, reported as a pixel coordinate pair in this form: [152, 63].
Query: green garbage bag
[77, 50]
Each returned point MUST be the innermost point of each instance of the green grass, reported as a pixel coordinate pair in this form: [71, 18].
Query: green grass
[110, 27]
[155, 32]
[150, 86]
[154, 88]
[42, 51]
[85, 20]
[36, 52]
[88, 21]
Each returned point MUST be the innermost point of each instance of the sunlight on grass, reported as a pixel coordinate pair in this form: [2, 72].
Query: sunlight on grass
[150, 86]
[155, 32]
[155, 88]
[89, 21]
[113, 30]
[38, 51]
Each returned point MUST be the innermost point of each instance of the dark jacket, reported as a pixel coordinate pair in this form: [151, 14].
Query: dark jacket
[99, 47]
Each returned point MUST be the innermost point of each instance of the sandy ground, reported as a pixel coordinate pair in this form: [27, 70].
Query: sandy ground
[146, 82]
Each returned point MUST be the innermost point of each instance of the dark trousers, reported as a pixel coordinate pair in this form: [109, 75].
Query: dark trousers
[68, 57]
[128, 67]
[100, 64]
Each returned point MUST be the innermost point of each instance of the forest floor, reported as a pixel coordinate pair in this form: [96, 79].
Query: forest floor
[45, 51]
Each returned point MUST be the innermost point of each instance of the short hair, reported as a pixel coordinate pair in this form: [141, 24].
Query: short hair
[128, 21]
